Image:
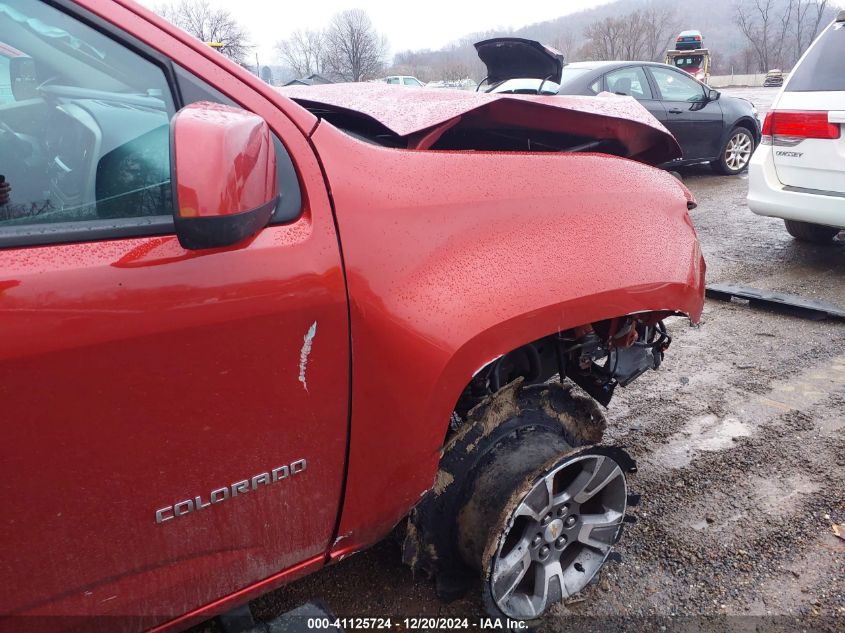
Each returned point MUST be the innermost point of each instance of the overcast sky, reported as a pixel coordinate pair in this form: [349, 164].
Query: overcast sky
[407, 25]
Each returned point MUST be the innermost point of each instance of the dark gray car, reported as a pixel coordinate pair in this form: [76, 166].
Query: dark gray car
[710, 127]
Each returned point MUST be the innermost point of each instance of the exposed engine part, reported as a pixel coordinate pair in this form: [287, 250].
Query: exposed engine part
[597, 357]
[627, 350]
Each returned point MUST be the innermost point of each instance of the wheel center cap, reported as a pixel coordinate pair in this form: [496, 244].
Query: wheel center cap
[553, 530]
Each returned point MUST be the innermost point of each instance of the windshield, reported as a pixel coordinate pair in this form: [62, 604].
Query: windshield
[70, 53]
[691, 61]
[524, 87]
[46, 30]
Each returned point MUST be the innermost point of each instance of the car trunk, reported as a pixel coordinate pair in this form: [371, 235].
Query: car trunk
[516, 58]
[809, 145]
[811, 163]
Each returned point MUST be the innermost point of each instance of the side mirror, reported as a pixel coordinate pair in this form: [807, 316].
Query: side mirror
[223, 175]
[23, 77]
[713, 95]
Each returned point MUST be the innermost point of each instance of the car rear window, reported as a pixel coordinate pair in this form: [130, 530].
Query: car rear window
[821, 69]
[568, 74]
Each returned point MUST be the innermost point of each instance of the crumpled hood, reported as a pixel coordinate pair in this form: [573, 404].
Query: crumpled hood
[518, 58]
[422, 116]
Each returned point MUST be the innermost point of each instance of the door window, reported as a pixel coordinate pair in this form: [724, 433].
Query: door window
[410, 81]
[90, 141]
[629, 81]
[675, 86]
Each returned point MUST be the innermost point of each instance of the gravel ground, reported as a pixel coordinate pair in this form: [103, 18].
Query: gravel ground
[740, 439]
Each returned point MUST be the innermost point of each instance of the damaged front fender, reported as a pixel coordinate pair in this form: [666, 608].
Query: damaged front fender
[453, 258]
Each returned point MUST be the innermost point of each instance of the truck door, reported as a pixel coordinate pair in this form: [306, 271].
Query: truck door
[695, 121]
[174, 422]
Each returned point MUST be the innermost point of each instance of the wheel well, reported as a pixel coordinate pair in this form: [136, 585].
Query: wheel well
[597, 356]
[751, 127]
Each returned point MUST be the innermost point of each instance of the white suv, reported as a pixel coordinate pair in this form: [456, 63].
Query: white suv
[798, 171]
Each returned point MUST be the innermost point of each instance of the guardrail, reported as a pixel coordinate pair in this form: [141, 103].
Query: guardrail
[751, 81]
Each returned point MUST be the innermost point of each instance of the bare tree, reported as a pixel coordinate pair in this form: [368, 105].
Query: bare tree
[659, 24]
[452, 68]
[354, 50]
[643, 34]
[780, 31]
[633, 45]
[565, 41]
[304, 51]
[764, 28]
[784, 48]
[817, 17]
[808, 17]
[605, 38]
[208, 24]
[742, 63]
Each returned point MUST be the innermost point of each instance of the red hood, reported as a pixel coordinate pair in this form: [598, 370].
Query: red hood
[423, 115]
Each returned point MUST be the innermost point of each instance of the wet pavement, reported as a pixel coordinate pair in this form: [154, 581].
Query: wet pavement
[740, 439]
[760, 97]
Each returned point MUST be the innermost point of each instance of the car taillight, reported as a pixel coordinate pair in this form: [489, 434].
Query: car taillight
[789, 127]
[697, 38]
[767, 129]
[680, 39]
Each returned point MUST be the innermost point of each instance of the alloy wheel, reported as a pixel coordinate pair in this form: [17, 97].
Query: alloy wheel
[738, 151]
[559, 535]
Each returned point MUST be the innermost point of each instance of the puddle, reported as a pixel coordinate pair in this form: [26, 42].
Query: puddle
[703, 434]
[710, 433]
[768, 495]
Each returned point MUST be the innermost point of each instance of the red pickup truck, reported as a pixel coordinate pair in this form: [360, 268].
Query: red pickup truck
[245, 336]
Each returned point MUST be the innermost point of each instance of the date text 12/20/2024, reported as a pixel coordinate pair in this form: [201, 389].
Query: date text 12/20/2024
[417, 624]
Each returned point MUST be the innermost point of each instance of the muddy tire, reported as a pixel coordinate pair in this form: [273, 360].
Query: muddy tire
[735, 154]
[807, 232]
[507, 443]
[554, 533]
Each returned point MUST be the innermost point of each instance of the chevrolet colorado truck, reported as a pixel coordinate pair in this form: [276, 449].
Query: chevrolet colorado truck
[245, 335]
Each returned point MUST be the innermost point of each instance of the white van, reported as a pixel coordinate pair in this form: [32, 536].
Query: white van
[798, 171]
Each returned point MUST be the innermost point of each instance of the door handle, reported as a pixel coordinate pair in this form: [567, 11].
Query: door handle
[675, 111]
